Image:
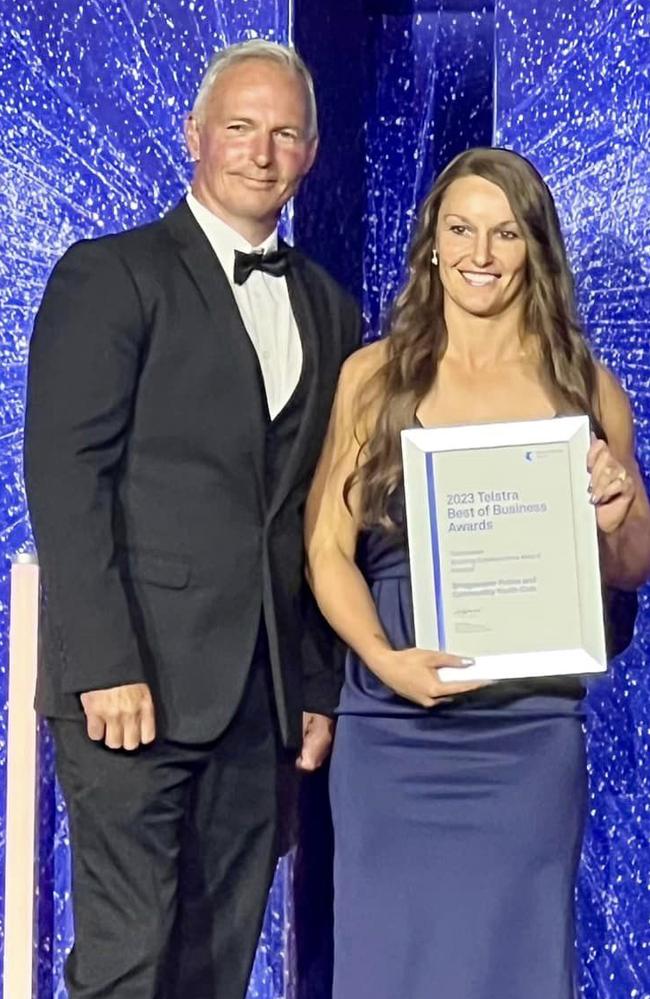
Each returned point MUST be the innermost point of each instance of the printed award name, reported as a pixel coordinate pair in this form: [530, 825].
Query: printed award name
[473, 511]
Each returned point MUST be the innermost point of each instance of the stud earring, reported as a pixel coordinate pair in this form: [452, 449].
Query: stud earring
[434, 258]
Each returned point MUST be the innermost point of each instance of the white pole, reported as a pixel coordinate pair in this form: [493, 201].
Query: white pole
[21, 781]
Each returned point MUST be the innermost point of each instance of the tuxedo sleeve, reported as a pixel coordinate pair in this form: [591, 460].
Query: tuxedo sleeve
[84, 361]
[323, 656]
[323, 653]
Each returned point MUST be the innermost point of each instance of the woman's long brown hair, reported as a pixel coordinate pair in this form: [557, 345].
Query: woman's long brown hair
[418, 335]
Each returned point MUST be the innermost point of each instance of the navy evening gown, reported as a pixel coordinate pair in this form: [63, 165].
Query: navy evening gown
[457, 829]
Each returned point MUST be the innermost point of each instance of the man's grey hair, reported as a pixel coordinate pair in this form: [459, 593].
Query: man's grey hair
[258, 48]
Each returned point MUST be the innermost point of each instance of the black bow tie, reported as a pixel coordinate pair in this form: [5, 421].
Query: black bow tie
[275, 263]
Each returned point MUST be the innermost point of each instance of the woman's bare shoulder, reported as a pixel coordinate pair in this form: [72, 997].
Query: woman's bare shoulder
[613, 400]
[615, 409]
[357, 393]
[363, 364]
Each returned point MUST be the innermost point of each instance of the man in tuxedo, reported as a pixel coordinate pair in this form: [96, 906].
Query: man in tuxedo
[181, 376]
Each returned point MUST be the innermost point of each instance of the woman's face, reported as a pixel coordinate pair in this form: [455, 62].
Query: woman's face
[481, 250]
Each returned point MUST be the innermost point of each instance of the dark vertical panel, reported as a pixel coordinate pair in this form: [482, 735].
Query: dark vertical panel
[402, 88]
[329, 214]
[431, 99]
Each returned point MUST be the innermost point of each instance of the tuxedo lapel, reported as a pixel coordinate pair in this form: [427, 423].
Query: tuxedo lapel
[307, 305]
[310, 309]
[208, 275]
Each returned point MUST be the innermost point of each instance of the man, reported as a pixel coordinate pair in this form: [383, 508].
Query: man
[181, 376]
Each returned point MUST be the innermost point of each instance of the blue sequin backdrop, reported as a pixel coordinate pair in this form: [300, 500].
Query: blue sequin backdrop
[92, 94]
[572, 93]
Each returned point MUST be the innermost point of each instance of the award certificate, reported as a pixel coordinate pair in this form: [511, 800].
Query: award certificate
[503, 547]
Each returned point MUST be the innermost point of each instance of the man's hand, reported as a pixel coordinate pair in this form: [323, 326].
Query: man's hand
[317, 732]
[122, 716]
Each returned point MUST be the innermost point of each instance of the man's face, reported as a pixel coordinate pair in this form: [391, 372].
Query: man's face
[252, 145]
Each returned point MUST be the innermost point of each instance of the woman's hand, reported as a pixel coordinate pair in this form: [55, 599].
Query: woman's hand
[612, 487]
[413, 674]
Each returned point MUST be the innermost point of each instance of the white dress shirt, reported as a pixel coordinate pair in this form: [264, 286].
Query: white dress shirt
[264, 305]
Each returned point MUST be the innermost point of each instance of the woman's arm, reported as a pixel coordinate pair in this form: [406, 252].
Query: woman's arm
[330, 538]
[331, 528]
[618, 492]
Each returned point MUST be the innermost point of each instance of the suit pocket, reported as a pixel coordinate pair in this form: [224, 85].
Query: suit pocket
[151, 567]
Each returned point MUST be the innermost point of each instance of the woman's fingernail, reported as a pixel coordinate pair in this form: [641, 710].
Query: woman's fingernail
[466, 661]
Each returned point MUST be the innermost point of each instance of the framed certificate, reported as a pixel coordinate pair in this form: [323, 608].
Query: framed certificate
[503, 547]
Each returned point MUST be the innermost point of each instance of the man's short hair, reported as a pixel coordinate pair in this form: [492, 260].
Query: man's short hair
[258, 48]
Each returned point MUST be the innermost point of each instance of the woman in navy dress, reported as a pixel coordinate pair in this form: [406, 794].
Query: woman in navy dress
[458, 808]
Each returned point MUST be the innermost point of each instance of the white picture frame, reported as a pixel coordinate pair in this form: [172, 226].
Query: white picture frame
[503, 547]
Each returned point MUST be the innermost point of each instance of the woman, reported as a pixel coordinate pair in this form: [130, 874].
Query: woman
[459, 809]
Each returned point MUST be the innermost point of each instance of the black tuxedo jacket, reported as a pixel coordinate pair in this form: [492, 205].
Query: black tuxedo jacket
[144, 465]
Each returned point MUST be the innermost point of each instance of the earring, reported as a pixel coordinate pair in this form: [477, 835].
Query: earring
[434, 258]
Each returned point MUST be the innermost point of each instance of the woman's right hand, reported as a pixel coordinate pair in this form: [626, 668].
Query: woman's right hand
[413, 674]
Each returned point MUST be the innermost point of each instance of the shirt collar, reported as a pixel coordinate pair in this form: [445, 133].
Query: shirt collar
[223, 238]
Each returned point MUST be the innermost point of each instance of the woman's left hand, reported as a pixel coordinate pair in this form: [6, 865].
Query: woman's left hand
[612, 487]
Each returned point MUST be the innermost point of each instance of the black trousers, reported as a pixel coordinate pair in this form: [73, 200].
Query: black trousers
[173, 851]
